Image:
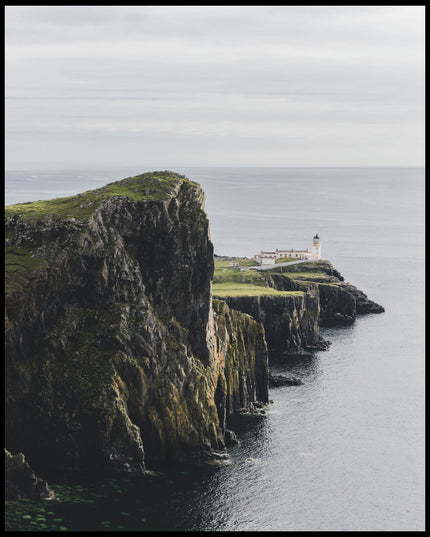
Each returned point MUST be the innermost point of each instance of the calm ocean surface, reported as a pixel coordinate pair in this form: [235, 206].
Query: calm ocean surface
[345, 450]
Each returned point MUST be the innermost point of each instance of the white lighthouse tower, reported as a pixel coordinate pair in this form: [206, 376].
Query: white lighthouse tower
[316, 247]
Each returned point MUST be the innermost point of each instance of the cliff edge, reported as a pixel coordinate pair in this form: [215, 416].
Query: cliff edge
[115, 358]
[291, 301]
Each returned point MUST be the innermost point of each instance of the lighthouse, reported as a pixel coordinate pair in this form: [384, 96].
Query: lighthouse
[316, 247]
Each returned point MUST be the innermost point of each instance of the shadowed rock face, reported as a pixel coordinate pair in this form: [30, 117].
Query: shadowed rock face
[292, 323]
[342, 303]
[21, 482]
[241, 351]
[114, 356]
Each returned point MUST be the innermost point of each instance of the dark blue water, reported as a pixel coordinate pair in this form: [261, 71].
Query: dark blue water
[344, 450]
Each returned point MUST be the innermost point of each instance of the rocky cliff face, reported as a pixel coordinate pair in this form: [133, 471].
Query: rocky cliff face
[114, 356]
[241, 352]
[319, 297]
[21, 482]
[291, 323]
[342, 302]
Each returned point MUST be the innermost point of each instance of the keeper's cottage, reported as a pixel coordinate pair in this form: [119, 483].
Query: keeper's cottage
[270, 258]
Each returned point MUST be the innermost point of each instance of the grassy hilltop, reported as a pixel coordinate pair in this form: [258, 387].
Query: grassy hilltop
[148, 186]
[22, 260]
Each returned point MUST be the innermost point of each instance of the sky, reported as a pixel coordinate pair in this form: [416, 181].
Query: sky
[214, 86]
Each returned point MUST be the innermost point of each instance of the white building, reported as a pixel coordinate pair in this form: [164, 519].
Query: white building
[266, 258]
[316, 247]
[270, 258]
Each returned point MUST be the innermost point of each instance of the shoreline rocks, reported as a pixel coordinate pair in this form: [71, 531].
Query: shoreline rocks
[281, 380]
[256, 407]
[21, 482]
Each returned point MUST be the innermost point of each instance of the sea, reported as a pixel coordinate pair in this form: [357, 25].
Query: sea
[343, 451]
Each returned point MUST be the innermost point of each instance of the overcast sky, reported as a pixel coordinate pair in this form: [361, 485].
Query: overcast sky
[214, 85]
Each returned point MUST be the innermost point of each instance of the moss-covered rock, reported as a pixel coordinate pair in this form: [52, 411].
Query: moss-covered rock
[111, 342]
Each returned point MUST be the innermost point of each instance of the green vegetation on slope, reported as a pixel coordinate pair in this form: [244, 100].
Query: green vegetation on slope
[308, 276]
[20, 262]
[309, 272]
[237, 289]
[230, 281]
[305, 266]
[147, 186]
[315, 272]
[151, 186]
[285, 260]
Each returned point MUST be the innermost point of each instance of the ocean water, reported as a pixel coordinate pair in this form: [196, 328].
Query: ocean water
[344, 451]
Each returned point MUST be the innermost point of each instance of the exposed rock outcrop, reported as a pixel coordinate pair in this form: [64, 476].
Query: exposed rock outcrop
[242, 355]
[21, 482]
[291, 323]
[282, 380]
[319, 297]
[337, 305]
[114, 357]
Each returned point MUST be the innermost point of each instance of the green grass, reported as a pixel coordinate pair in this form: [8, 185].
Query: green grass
[19, 259]
[151, 186]
[305, 266]
[309, 271]
[224, 273]
[285, 259]
[237, 289]
[234, 282]
[229, 281]
[58, 208]
[18, 263]
[308, 275]
[221, 265]
[148, 186]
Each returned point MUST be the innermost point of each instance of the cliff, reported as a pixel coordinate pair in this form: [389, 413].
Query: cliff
[242, 355]
[290, 322]
[340, 301]
[292, 302]
[115, 358]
